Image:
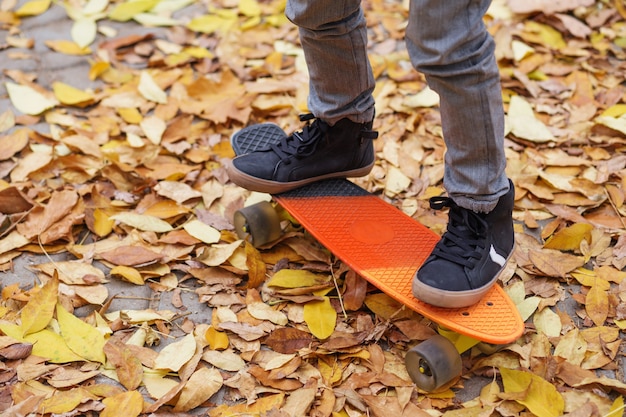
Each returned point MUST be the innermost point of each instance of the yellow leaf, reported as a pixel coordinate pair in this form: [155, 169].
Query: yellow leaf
[39, 310]
[543, 34]
[71, 96]
[217, 340]
[151, 19]
[569, 238]
[321, 318]
[572, 347]
[27, 100]
[249, 8]
[65, 401]
[84, 32]
[296, 278]
[130, 115]
[615, 110]
[538, 395]
[617, 408]
[102, 225]
[331, 371]
[46, 343]
[227, 360]
[33, 8]
[202, 231]
[212, 23]
[127, 10]
[590, 279]
[67, 47]
[84, 339]
[129, 274]
[157, 384]
[175, 355]
[166, 209]
[523, 123]
[548, 322]
[153, 127]
[127, 404]
[95, 6]
[143, 222]
[97, 69]
[198, 52]
[261, 311]
[386, 307]
[217, 254]
[150, 90]
[597, 305]
[199, 388]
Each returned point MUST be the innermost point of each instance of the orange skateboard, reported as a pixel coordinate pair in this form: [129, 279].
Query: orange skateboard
[386, 247]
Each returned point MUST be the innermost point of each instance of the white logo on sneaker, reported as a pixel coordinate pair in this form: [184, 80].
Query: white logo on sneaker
[496, 257]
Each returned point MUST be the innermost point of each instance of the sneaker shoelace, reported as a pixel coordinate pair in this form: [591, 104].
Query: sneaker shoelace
[464, 239]
[302, 143]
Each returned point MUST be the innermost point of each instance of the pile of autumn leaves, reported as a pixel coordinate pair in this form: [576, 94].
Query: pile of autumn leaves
[304, 341]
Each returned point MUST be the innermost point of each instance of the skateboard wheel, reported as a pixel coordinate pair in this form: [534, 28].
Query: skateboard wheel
[259, 222]
[433, 363]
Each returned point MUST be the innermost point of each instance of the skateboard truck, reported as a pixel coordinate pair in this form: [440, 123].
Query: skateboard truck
[258, 222]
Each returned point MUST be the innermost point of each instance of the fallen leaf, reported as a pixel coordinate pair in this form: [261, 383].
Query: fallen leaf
[201, 386]
[177, 354]
[127, 404]
[29, 101]
[82, 338]
[321, 318]
[39, 310]
[539, 396]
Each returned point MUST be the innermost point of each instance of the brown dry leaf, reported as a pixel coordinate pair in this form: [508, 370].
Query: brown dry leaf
[267, 379]
[130, 256]
[256, 267]
[67, 377]
[41, 219]
[201, 386]
[288, 340]
[127, 366]
[355, 292]
[554, 263]
[13, 201]
[262, 405]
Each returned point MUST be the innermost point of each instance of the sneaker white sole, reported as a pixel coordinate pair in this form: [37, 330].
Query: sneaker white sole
[454, 299]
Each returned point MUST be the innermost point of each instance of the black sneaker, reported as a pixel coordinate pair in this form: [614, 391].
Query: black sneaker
[468, 259]
[317, 152]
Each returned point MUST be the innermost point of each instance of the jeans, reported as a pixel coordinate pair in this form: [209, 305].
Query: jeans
[448, 42]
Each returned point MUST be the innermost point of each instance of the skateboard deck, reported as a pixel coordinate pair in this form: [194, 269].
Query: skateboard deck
[383, 245]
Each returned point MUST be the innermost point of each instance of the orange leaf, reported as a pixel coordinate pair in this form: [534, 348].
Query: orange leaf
[597, 305]
[127, 404]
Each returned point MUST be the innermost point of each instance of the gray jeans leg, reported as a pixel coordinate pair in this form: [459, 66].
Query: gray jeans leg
[449, 43]
[333, 34]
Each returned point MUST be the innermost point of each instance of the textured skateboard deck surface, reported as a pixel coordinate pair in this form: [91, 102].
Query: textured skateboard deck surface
[383, 245]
